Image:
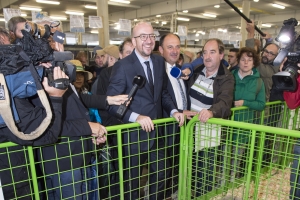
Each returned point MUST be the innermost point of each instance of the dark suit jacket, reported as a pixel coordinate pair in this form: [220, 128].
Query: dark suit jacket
[75, 124]
[143, 102]
[171, 92]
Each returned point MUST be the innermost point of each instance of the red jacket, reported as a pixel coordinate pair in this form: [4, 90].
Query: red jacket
[292, 99]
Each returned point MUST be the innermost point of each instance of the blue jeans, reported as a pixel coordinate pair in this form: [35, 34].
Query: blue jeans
[204, 165]
[68, 185]
[295, 174]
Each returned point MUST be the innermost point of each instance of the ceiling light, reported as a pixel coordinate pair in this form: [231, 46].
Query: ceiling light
[30, 8]
[183, 19]
[48, 2]
[90, 6]
[2, 20]
[197, 34]
[164, 22]
[217, 6]
[185, 11]
[224, 30]
[23, 14]
[117, 27]
[256, 0]
[196, 40]
[117, 23]
[74, 13]
[209, 15]
[135, 20]
[267, 25]
[278, 6]
[59, 17]
[194, 31]
[157, 22]
[94, 32]
[121, 1]
[158, 15]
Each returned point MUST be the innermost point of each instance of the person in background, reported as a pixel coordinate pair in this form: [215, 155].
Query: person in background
[126, 48]
[83, 58]
[180, 60]
[100, 62]
[232, 59]
[190, 55]
[249, 91]
[198, 54]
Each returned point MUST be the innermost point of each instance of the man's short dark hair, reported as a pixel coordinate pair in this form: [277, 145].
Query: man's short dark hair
[221, 46]
[12, 23]
[236, 50]
[3, 33]
[126, 40]
[162, 38]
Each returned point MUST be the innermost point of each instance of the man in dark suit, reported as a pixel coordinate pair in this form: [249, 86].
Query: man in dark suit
[169, 48]
[146, 105]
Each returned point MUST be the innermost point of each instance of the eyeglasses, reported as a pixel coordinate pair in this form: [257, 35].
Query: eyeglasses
[269, 52]
[144, 37]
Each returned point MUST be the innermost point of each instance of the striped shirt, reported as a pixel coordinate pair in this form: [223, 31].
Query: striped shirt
[201, 93]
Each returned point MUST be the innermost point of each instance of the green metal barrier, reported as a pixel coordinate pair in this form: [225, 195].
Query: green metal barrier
[221, 177]
[219, 159]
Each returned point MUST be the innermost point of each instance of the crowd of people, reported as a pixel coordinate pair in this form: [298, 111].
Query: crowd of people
[208, 88]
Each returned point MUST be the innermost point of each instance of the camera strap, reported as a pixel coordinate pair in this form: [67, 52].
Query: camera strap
[5, 107]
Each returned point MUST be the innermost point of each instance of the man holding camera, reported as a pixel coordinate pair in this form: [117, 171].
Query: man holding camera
[30, 117]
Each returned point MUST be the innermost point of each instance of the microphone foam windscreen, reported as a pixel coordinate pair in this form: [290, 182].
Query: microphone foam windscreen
[175, 72]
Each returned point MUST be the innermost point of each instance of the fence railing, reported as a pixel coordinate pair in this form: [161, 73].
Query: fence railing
[214, 160]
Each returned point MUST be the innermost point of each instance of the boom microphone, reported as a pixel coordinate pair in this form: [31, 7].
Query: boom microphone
[138, 82]
[244, 16]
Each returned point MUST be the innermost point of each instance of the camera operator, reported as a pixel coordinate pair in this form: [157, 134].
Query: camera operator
[292, 100]
[30, 117]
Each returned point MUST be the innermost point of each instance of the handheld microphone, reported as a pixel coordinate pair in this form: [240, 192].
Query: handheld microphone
[176, 72]
[138, 82]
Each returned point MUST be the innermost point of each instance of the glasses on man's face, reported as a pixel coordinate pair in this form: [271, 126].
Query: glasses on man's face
[269, 52]
[144, 37]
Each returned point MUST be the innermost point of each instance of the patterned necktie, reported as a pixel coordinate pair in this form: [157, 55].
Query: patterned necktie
[150, 78]
[184, 103]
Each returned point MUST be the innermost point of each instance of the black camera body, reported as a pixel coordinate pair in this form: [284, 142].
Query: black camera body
[40, 51]
[287, 79]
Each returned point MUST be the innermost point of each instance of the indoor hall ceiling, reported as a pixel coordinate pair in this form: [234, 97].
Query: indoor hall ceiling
[147, 10]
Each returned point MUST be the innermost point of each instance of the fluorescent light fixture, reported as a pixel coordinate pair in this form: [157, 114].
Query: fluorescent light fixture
[256, 0]
[135, 20]
[74, 13]
[183, 19]
[90, 6]
[48, 2]
[267, 25]
[117, 23]
[197, 34]
[278, 6]
[157, 22]
[158, 15]
[58, 17]
[2, 20]
[217, 6]
[117, 27]
[115, 42]
[94, 32]
[196, 40]
[185, 11]
[121, 1]
[224, 30]
[164, 22]
[23, 14]
[194, 31]
[209, 15]
[30, 8]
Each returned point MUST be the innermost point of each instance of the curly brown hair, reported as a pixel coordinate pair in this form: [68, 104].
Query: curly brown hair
[250, 52]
